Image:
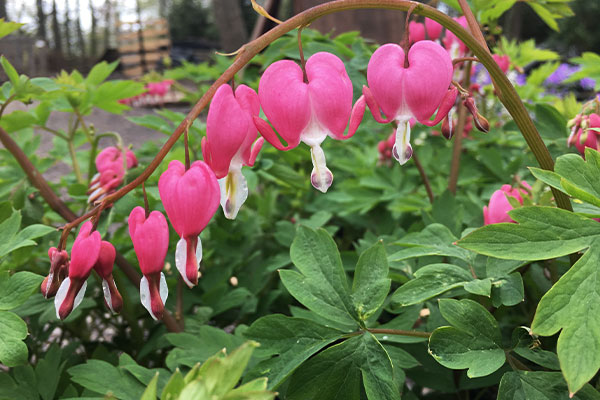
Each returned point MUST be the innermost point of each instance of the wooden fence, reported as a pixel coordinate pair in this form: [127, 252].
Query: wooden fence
[143, 46]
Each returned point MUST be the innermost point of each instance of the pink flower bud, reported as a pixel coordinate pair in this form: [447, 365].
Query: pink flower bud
[190, 199]
[59, 269]
[499, 206]
[583, 137]
[84, 255]
[150, 237]
[104, 267]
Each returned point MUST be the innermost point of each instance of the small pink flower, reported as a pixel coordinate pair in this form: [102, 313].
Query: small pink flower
[84, 255]
[454, 45]
[411, 86]
[104, 267]
[59, 269]
[499, 206]
[582, 137]
[418, 31]
[159, 88]
[503, 61]
[230, 142]
[190, 198]
[308, 111]
[111, 171]
[150, 237]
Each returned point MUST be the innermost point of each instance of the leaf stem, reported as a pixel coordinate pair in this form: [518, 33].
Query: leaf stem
[458, 136]
[424, 177]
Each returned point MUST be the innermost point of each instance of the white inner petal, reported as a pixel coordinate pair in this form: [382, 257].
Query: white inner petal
[107, 296]
[180, 260]
[62, 293]
[402, 150]
[199, 251]
[234, 192]
[321, 177]
[163, 289]
[145, 295]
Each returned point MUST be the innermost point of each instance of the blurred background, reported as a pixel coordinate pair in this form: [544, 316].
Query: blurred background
[149, 35]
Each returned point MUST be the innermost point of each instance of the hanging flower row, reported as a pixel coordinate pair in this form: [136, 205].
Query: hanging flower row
[305, 103]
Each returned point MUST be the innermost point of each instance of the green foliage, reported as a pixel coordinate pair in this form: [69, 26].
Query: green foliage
[473, 341]
[8, 27]
[367, 292]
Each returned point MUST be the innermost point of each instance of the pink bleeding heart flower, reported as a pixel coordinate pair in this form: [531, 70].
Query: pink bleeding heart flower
[499, 206]
[429, 30]
[104, 267]
[59, 269]
[582, 137]
[231, 142]
[84, 255]
[408, 87]
[111, 171]
[454, 45]
[150, 237]
[159, 88]
[308, 111]
[503, 61]
[190, 198]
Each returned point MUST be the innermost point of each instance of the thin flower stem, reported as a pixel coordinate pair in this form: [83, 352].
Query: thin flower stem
[458, 136]
[6, 103]
[464, 59]
[146, 206]
[473, 24]
[423, 177]
[186, 146]
[301, 51]
[76, 168]
[54, 132]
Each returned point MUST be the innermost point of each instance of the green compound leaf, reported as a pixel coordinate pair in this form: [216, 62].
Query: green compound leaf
[434, 240]
[473, 341]
[321, 285]
[430, 281]
[13, 351]
[530, 385]
[335, 374]
[292, 340]
[572, 305]
[541, 233]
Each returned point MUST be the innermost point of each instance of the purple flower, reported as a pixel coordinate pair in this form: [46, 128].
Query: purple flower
[562, 73]
[588, 83]
[521, 79]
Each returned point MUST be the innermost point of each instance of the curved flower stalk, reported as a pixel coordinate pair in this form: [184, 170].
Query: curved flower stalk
[59, 269]
[308, 111]
[420, 31]
[110, 167]
[190, 198]
[84, 255]
[499, 206]
[150, 237]
[104, 267]
[409, 86]
[230, 143]
[581, 136]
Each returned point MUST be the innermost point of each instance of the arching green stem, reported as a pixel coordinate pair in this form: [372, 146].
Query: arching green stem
[509, 96]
